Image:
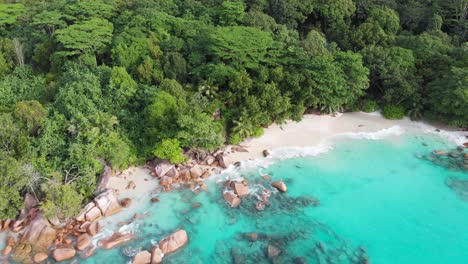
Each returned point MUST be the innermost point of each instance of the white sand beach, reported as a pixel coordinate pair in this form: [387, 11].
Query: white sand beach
[314, 129]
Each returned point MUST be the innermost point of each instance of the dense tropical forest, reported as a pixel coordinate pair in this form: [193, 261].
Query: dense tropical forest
[85, 83]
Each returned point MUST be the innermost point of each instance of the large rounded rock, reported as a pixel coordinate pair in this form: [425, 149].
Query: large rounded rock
[94, 228]
[165, 181]
[143, 257]
[115, 240]
[223, 161]
[232, 199]
[39, 233]
[40, 257]
[162, 168]
[6, 225]
[81, 217]
[196, 172]
[185, 175]
[173, 173]
[107, 203]
[7, 250]
[240, 189]
[126, 202]
[156, 255]
[266, 153]
[280, 186]
[61, 254]
[83, 241]
[93, 214]
[173, 242]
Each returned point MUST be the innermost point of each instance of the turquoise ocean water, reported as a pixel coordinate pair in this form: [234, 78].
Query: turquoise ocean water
[378, 201]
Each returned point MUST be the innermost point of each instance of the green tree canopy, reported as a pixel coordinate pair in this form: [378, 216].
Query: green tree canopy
[89, 35]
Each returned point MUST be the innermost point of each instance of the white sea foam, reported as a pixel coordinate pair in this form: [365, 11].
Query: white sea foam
[249, 166]
[457, 137]
[383, 133]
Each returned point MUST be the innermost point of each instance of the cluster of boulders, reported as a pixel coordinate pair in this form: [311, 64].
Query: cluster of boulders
[166, 246]
[39, 233]
[236, 190]
[455, 159]
[192, 172]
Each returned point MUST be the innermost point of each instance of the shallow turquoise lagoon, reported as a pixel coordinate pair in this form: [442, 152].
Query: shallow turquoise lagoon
[378, 201]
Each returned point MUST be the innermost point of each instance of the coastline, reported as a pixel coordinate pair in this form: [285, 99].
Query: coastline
[279, 139]
[310, 136]
[314, 130]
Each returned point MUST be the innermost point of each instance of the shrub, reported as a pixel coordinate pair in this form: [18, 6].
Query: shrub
[258, 132]
[393, 112]
[369, 106]
[170, 149]
[235, 139]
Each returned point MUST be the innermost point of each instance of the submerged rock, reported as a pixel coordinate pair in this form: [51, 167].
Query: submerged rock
[260, 206]
[115, 240]
[232, 199]
[240, 189]
[173, 242]
[156, 255]
[280, 186]
[459, 186]
[440, 152]
[143, 257]
[273, 251]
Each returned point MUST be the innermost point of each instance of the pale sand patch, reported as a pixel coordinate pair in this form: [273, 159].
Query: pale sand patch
[146, 187]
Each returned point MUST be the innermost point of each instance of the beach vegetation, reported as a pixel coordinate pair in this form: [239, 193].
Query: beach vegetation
[393, 111]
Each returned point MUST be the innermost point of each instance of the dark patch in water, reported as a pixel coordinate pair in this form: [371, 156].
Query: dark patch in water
[459, 186]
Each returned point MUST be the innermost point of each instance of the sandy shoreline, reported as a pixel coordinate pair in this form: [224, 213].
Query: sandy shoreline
[315, 129]
[310, 132]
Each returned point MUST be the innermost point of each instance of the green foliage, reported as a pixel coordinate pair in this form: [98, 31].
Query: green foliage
[89, 35]
[232, 13]
[449, 97]
[121, 87]
[85, 83]
[242, 46]
[62, 201]
[380, 28]
[31, 113]
[393, 111]
[12, 182]
[199, 131]
[369, 106]
[169, 149]
[392, 73]
[22, 84]
[9, 13]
